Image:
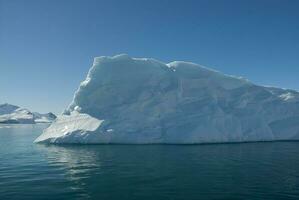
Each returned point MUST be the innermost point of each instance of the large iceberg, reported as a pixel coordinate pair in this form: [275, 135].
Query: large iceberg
[11, 114]
[145, 101]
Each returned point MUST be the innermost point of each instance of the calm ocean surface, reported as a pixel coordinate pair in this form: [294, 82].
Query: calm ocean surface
[118, 172]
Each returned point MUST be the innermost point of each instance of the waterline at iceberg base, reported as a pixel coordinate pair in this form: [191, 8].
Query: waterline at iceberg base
[144, 101]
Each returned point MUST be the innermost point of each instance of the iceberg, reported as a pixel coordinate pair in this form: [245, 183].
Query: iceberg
[11, 114]
[126, 100]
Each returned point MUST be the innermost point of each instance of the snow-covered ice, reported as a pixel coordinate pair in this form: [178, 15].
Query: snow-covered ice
[143, 101]
[74, 128]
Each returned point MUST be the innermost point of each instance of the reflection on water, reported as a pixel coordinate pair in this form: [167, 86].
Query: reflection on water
[227, 171]
[78, 163]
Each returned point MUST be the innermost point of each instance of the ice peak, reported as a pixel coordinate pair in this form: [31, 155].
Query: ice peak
[119, 57]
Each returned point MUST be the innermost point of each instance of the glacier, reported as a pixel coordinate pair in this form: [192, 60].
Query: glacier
[126, 100]
[11, 114]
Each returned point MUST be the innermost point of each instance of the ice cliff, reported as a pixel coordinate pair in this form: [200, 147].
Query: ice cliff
[144, 101]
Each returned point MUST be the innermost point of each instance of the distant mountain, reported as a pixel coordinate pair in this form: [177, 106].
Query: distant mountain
[11, 114]
[7, 108]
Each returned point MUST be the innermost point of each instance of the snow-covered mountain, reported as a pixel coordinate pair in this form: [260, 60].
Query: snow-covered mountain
[11, 114]
[141, 100]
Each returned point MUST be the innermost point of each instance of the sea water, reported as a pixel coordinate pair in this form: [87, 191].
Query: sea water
[266, 170]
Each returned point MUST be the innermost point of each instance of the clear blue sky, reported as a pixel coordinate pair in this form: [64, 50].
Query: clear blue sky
[47, 46]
